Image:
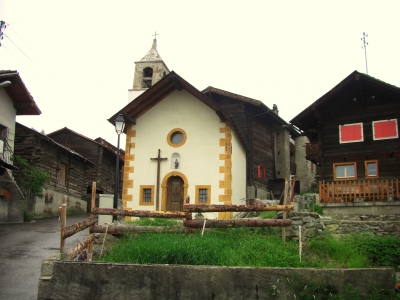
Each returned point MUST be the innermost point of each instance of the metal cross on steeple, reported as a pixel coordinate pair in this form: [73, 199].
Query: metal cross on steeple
[155, 34]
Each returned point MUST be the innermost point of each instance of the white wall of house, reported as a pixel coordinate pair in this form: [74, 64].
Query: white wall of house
[49, 205]
[199, 156]
[7, 116]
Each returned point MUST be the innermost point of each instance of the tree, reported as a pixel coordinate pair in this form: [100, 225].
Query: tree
[33, 181]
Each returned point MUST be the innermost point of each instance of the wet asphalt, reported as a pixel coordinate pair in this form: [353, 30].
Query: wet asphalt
[23, 246]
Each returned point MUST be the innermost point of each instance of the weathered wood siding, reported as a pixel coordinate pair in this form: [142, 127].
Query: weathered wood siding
[365, 109]
[104, 159]
[257, 132]
[41, 152]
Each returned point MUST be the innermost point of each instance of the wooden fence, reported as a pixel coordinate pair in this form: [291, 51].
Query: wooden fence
[359, 190]
[189, 225]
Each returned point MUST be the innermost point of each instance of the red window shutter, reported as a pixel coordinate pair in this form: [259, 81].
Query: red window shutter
[385, 129]
[259, 171]
[351, 133]
[263, 175]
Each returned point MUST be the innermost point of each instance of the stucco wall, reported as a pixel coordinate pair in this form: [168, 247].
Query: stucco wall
[303, 166]
[282, 153]
[79, 280]
[205, 158]
[54, 200]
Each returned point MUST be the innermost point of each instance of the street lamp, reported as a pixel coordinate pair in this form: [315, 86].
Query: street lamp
[119, 128]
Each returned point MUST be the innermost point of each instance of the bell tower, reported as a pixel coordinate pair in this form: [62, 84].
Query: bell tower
[148, 71]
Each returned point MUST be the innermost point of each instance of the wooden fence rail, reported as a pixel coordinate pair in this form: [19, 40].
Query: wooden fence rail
[367, 190]
[189, 224]
[235, 208]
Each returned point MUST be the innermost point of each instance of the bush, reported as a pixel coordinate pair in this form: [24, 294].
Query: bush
[316, 208]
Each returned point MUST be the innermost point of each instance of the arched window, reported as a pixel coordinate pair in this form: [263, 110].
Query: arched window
[147, 77]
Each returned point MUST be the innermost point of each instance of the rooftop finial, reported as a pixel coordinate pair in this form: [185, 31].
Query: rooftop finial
[155, 40]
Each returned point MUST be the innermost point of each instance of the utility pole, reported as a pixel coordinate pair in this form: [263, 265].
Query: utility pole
[365, 43]
[2, 26]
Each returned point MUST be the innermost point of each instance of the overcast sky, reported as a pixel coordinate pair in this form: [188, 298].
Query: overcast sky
[77, 57]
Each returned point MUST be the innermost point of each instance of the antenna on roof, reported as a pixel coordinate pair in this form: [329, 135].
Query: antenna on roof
[365, 43]
[2, 26]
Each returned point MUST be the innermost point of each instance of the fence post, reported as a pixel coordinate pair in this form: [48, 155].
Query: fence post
[63, 224]
[92, 205]
[285, 213]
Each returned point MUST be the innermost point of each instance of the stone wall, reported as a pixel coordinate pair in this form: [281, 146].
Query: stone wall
[82, 280]
[313, 224]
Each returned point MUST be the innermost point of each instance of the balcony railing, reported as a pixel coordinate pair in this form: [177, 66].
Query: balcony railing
[6, 153]
[358, 191]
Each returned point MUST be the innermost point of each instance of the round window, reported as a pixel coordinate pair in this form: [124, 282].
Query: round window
[176, 137]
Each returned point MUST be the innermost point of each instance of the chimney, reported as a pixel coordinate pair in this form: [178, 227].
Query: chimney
[275, 109]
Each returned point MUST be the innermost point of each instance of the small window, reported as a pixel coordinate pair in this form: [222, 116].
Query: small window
[3, 138]
[176, 137]
[385, 129]
[345, 171]
[203, 194]
[261, 172]
[62, 174]
[371, 168]
[350, 133]
[147, 195]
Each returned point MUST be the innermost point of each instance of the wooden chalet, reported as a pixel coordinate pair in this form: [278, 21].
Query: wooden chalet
[270, 149]
[66, 168]
[354, 141]
[100, 152]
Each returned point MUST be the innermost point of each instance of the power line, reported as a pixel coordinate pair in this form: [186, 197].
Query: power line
[17, 47]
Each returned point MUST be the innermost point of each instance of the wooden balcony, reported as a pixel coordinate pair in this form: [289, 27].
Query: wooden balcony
[358, 191]
[312, 149]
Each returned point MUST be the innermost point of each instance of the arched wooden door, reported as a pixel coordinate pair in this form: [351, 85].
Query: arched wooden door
[175, 194]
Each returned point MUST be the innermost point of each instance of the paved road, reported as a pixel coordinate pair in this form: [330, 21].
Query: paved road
[23, 246]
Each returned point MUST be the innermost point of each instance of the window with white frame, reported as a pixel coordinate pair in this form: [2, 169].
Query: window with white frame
[385, 129]
[371, 168]
[350, 133]
[345, 171]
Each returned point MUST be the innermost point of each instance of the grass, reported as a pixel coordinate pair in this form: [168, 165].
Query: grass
[260, 247]
[154, 222]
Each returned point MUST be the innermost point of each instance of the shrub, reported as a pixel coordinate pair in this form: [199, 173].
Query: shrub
[316, 208]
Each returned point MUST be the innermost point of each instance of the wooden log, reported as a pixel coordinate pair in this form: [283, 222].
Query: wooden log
[237, 223]
[239, 208]
[79, 248]
[139, 213]
[118, 229]
[81, 225]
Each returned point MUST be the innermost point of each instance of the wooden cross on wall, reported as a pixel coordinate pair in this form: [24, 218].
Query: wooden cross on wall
[158, 159]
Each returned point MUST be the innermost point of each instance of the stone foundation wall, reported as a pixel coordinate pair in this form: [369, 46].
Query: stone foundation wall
[82, 280]
[313, 224]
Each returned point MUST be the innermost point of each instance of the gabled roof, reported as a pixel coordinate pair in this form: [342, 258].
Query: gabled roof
[353, 83]
[48, 139]
[98, 142]
[19, 94]
[257, 103]
[161, 90]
